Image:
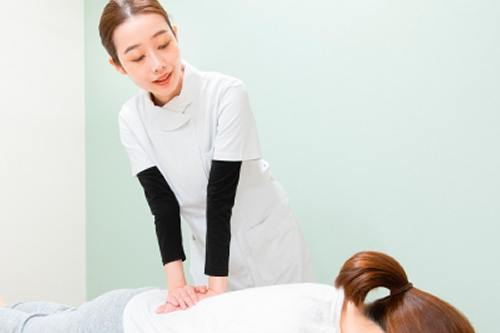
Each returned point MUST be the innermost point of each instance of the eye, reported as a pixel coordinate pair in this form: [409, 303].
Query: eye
[138, 59]
[164, 46]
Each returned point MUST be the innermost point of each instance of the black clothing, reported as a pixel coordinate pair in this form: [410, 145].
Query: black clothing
[221, 191]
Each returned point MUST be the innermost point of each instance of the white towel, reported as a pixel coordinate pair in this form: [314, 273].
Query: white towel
[290, 308]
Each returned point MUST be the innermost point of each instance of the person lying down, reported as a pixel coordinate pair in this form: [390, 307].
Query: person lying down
[303, 307]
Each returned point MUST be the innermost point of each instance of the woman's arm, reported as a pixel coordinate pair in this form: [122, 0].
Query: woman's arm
[236, 141]
[175, 275]
[166, 211]
[221, 191]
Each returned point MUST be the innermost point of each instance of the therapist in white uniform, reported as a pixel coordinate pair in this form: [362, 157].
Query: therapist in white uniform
[193, 144]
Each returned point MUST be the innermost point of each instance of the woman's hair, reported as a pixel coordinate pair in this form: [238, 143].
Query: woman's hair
[406, 309]
[118, 11]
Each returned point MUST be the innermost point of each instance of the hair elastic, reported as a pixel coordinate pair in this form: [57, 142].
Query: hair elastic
[401, 290]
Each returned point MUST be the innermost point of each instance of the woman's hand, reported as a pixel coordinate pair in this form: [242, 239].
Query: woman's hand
[208, 294]
[218, 286]
[182, 298]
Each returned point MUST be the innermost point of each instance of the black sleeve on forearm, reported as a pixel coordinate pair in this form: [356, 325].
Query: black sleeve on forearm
[165, 208]
[221, 191]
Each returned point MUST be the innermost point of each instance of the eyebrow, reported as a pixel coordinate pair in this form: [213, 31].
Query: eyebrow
[130, 48]
[162, 31]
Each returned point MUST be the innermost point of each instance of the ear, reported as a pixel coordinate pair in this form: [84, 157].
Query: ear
[176, 35]
[118, 67]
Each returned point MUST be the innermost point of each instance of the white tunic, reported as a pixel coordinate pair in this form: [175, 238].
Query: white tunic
[212, 119]
[292, 308]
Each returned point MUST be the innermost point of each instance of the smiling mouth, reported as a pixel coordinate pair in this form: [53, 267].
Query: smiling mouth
[165, 78]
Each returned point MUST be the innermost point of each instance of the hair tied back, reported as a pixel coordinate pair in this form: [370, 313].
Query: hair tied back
[402, 289]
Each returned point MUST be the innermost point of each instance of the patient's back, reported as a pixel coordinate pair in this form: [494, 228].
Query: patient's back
[303, 307]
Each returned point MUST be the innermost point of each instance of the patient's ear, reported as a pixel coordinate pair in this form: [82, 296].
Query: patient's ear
[118, 67]
[354, 320]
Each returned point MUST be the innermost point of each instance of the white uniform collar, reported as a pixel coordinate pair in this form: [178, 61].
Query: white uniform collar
[191, 85]
[171, 116]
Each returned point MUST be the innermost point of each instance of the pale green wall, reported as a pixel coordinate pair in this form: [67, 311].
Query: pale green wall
[380, 119]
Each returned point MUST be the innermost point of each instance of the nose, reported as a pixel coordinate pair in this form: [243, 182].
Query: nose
[157, 63]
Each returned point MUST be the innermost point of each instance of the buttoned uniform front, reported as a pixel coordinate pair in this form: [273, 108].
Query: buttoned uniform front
[211, 119]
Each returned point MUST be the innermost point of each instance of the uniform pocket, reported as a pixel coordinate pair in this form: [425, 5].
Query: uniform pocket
[276, 243]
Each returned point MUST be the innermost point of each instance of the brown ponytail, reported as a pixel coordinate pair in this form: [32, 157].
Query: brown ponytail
[406, 309]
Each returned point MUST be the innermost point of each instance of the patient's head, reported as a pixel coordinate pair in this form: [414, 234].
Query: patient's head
[406, 309]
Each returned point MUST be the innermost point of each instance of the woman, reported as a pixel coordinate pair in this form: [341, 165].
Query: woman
[192, 142]
[302, 307]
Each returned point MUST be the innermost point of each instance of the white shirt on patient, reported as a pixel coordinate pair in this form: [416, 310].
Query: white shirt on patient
[289, 308]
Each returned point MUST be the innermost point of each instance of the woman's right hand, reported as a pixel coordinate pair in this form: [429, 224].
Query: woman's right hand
[182, 298]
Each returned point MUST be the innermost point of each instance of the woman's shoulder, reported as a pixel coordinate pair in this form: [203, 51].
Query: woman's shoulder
[219, 82]
[133, 105]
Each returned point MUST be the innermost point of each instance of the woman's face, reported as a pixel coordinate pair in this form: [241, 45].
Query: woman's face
[149, 54]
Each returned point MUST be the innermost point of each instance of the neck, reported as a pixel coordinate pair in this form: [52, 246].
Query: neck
[353, 320]
[175, 93]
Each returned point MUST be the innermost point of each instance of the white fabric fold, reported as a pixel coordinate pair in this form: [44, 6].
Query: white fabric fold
[169, 121]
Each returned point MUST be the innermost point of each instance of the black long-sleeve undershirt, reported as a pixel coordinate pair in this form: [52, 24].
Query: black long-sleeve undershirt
[221, 191]
[165, 209]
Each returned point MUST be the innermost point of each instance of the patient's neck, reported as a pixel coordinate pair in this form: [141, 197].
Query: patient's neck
[352, 320]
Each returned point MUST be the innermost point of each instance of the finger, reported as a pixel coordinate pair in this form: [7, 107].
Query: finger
[166, 308]
[187, 298]
[170, 308]
[192, 295]
[171, 299]
[180, 300]
[161, 308]
[201, 289]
